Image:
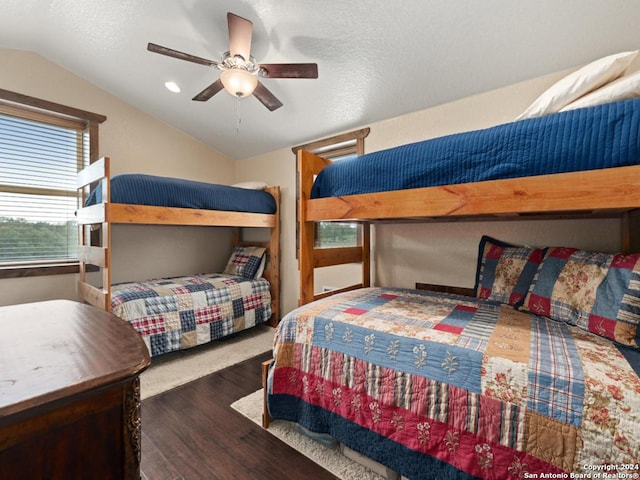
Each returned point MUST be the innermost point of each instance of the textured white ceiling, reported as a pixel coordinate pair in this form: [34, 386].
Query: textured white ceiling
[377, 58]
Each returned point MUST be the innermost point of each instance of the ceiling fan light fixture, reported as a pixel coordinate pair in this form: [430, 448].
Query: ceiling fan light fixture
[238, 82]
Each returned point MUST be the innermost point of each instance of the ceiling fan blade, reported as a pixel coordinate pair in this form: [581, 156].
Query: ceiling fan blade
[209, 92]
[152, 47]
[267, 98]
[289, 70]
[240, 31]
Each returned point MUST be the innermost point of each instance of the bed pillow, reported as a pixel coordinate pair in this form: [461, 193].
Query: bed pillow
[260, 270]
[251, 185]
[597, 292]
[621, 89]
[579, 83]
[245, 261]
[504, 271]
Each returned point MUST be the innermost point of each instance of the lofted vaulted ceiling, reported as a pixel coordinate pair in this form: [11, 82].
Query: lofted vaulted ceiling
[377, 59]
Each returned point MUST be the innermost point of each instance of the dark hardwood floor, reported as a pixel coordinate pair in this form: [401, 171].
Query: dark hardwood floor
[192, 433]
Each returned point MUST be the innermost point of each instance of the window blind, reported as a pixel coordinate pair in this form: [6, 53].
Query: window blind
[39, 158]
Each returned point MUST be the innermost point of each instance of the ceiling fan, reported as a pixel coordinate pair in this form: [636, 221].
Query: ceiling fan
[240, 72]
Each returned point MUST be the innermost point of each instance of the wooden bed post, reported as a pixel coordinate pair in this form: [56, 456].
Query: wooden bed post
[631, 231]
[105, 237]
[274, 260]
[308, 166]
[366, 254]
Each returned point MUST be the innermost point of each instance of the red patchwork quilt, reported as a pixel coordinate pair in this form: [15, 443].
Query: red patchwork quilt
[441, 386]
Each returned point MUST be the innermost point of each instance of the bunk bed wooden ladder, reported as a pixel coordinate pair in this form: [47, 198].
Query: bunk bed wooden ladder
[94, 235]
[310, 257]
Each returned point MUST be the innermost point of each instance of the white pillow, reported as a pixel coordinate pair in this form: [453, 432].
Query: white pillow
[251, 185]
[621, 89]
[579, 83]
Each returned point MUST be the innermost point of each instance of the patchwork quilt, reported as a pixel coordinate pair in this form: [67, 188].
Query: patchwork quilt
[182, 312]
[443, 386]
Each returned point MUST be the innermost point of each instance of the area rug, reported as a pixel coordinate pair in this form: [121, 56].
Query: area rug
[329, 458]
[177, 368]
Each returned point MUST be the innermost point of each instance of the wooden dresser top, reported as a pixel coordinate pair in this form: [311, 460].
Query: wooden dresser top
[57, 349]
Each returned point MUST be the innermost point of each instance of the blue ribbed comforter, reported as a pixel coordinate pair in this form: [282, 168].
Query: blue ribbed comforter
[598, 137]
[140, 189]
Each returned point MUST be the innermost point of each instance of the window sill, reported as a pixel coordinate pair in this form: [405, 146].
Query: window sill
[42, 270]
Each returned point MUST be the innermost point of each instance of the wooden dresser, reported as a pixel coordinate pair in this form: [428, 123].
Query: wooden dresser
[69, 393]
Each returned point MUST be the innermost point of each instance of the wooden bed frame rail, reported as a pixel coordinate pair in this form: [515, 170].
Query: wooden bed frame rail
[610, 192]
[95, 236]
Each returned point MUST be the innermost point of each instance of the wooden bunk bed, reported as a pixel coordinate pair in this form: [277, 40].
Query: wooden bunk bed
[375, 368]
[599, 193]
[95, 250]
[611, 192]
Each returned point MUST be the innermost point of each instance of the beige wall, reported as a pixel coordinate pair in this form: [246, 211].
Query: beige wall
[435, 252]
[135, 142]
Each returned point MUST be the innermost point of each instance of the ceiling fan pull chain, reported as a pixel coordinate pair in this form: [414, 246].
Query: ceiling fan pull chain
[238, 115]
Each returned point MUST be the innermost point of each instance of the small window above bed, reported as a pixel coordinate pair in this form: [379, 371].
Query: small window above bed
[42, 147]
[339, 147]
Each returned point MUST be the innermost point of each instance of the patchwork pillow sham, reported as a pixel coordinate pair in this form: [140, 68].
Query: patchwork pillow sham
[245, 261]
[597, 292]
[504, 271]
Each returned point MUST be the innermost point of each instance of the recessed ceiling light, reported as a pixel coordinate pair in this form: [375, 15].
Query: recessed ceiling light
[172, 87]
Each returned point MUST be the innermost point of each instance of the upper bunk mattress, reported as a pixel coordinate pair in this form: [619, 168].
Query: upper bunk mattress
[140, 189]
[598, 137]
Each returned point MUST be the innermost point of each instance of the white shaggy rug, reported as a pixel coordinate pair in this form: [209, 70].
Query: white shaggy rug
[177, 368]
[329, 458]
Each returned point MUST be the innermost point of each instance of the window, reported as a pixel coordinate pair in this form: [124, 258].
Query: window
[42, 147]
[340, 147]
[333, 234]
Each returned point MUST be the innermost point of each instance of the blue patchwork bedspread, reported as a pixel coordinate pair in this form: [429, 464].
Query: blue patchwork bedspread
[140, 189]
[182, 312]
[443, 386]
[598, 137]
